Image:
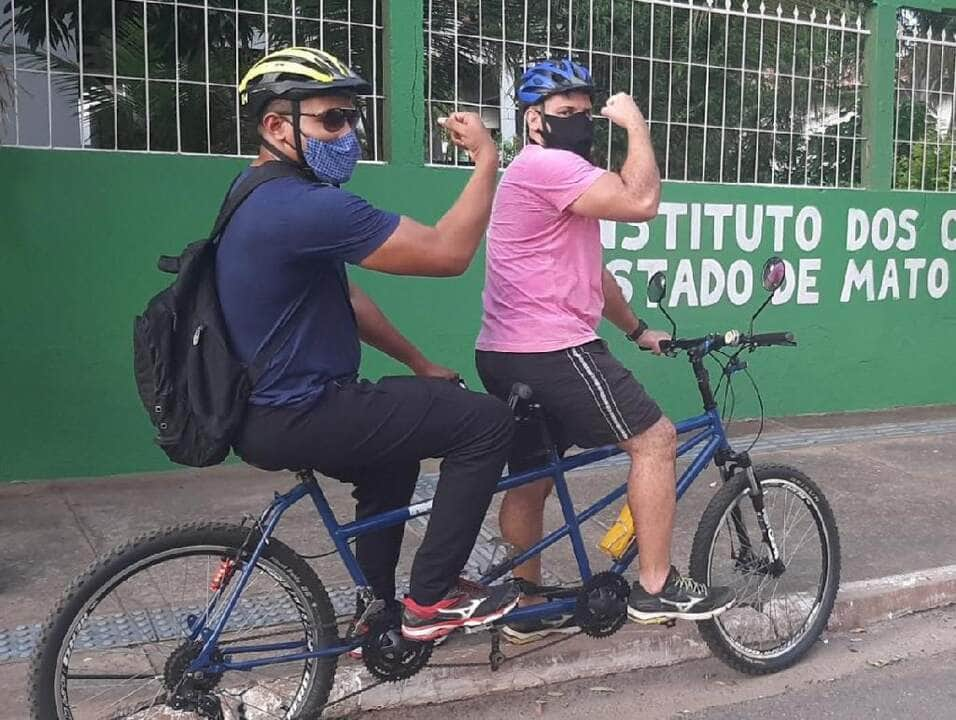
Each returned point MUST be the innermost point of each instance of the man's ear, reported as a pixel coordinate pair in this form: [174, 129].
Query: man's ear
[274, 127]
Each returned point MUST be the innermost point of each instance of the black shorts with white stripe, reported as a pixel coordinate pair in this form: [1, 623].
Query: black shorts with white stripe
[588, 397]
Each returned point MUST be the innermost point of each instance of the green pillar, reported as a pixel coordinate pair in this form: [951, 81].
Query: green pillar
[404, 76]
[879, 100]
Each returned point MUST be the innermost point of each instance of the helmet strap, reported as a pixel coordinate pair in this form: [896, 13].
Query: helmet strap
[299, 161]
[277, 153]
[297, 131]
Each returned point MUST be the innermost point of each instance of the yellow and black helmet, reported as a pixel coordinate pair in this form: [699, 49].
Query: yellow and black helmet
[296, 73]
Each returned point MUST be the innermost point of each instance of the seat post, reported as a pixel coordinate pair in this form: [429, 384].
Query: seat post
[306, 477]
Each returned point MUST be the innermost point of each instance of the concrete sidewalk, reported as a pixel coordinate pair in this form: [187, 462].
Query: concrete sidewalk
[889, 476]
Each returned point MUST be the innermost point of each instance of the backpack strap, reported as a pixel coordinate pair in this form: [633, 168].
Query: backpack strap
[237, 193]
[241, 189]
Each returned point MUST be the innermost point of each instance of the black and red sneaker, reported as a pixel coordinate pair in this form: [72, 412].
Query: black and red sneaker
[466, 605]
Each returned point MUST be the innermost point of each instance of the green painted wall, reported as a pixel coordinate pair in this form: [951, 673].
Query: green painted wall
[80, 232]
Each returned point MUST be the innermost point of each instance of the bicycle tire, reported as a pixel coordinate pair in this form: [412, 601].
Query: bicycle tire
[109, 572]
[716, 632]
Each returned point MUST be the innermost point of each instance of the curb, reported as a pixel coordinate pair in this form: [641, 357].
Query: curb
[858, 604]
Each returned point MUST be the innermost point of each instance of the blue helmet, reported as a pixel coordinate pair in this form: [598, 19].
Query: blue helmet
[551, 77]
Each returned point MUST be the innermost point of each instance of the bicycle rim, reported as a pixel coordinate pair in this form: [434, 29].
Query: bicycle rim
[120, 654]
[772, 615]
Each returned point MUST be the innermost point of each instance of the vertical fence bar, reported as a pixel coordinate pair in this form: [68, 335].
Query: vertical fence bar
[375, 89]
[49, 75]
[481, 66]
[909, 172]
[455, 150]
[793, 95]
[776, 96]
[16, 83]
[236, 17]
[81, 109]
[929, 48]
[208, 88]
[146, 69]
[743, 84]
[116, 85]
[610, 86]
[763, 16]
[710, 16]
[951, 129]
[690, 66]
[939, 100]
[404, 50]
[839, 101]
[670, 105]
[631, 61]
[179, 133]
[857, 124]
[429, 108]
[650, 68]
[806, 118]
[826, 80]
[723, 104]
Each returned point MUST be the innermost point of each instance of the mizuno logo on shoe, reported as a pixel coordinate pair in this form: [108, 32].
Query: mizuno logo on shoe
[682, 606]
[465, 611]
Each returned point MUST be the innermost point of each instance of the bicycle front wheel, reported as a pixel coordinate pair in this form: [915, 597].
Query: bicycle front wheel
[780, 611]
[118, 644]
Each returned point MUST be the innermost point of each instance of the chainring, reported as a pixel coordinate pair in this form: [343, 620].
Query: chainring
[601, 607]
[389, 656]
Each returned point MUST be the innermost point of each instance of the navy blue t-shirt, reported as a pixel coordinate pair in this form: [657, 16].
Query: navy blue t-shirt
[288, 243]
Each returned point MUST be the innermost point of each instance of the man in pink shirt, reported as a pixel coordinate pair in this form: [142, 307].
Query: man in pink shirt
[546, 290]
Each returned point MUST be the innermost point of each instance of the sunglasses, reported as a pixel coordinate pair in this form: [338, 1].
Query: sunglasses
[335, 119]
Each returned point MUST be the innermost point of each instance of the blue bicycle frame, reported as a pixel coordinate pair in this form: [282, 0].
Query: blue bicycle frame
[709, 432]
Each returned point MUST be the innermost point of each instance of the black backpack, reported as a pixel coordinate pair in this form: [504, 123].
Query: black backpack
[190, 381]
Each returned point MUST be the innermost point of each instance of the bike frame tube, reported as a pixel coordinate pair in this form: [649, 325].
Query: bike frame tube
[269, 520]
[710, 433]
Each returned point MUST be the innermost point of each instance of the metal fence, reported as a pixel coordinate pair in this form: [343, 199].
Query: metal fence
[924, 135]
[161, 75]
[734, 93]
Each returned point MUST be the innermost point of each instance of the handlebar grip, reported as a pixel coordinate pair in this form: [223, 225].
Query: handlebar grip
[773, 338]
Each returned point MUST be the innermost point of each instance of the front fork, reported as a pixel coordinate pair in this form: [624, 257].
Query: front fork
[729, 462]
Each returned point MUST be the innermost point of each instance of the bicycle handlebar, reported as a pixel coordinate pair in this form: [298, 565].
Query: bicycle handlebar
[731, 338]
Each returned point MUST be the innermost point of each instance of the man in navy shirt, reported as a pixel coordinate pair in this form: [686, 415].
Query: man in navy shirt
[281, 261]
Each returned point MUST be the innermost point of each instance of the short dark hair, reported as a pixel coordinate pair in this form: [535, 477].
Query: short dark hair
[276, 105]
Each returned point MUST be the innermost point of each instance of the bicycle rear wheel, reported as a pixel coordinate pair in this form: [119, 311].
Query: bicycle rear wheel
[778, 615]
[117, 645]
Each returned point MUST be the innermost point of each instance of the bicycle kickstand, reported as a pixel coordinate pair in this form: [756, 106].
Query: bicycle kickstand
[496, 658]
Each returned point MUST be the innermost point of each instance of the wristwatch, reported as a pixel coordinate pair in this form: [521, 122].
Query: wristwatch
[637, 332]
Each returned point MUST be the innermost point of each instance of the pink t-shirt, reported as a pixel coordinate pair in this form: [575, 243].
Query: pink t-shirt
[543, 263]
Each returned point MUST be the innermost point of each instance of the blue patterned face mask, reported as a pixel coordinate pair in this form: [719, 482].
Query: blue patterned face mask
[334, 160]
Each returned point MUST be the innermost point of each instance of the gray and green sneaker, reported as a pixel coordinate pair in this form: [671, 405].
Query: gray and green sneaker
[680, 599]
[529, 631]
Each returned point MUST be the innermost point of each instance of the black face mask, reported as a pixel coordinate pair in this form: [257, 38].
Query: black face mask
[574, 133]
